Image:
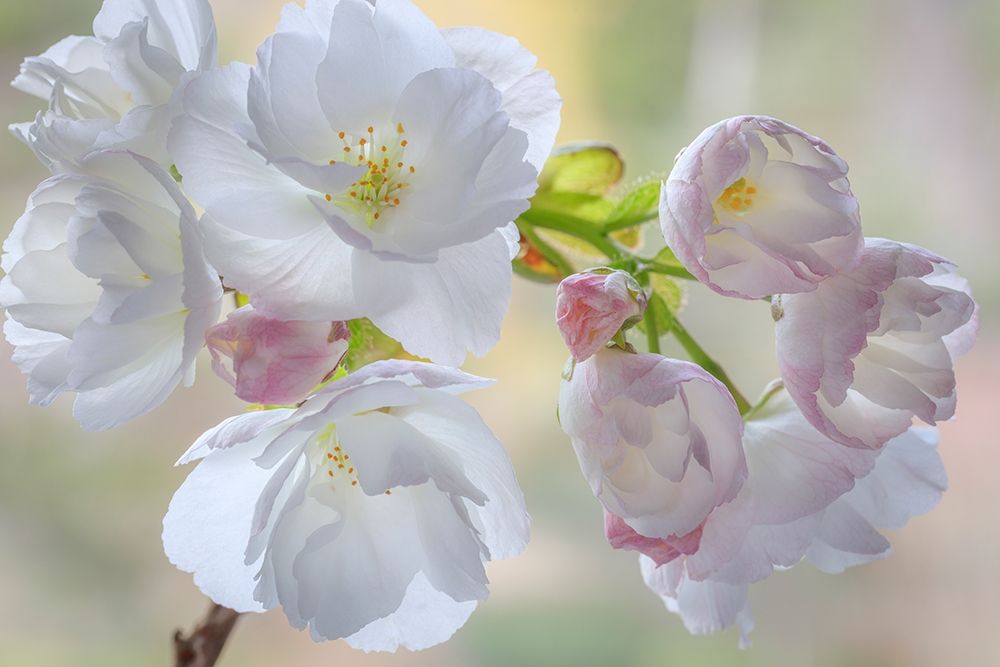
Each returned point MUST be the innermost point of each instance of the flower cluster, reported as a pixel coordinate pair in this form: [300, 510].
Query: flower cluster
[867, 333]
[363, 176]
[338, 224]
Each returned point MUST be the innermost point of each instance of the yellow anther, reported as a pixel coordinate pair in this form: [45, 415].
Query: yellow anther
[737, 197]
[329, 197]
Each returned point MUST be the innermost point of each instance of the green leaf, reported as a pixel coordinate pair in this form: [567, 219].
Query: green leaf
[672, 293]
[582, 168]
[667, 257]
[660, 313]
[639, 202]
[368, 344]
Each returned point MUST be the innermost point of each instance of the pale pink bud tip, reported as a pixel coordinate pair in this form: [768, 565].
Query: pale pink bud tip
[275, 362]
[592, 307]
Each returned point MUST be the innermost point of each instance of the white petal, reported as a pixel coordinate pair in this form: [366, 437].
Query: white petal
[374, 53]
[503, 521]
[444, 310]
[186, 29]
[425, 618]
[229, 179]
[529, 95]
[311, 277]
[206, 529]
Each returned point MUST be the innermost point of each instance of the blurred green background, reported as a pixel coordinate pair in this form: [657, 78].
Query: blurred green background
[908, 91]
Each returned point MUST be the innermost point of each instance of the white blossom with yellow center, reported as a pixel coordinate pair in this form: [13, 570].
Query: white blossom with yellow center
[371, 165]
[368, 514]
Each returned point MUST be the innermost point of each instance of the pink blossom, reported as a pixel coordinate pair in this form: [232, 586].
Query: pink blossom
[873, 348]
[658, 440]
[806, 497]
[756, 207]
[592, 307]
[273, 361]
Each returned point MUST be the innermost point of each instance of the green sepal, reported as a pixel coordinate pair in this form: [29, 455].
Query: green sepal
[369, 344]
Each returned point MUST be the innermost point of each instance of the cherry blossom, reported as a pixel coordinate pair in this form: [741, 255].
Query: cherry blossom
[367, 514]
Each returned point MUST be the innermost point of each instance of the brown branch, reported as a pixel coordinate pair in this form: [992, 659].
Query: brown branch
[204, 645]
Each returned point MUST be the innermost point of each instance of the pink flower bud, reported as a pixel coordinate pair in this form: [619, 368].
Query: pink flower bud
[659, 441]
[272, 361]
[592, 307]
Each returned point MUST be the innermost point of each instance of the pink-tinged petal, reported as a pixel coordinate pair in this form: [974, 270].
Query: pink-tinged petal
[872, 348]
[592, 307]
[756, 207]
[662, 550]
[273, 361]
[658, 439]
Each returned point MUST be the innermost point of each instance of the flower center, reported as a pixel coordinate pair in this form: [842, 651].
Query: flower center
[335, 461]
[738, 198]
[386, 178]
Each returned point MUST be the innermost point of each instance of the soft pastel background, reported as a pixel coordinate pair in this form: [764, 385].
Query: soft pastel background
[907, 90]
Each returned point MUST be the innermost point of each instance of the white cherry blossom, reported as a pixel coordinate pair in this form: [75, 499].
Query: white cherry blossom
[368, 514]
[107, 291]
[114, 90]
[370, 165]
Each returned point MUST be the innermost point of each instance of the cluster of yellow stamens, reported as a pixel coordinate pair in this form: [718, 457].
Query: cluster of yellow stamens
[386, 176]
[738, 197]
[337, 461]
[340, 462]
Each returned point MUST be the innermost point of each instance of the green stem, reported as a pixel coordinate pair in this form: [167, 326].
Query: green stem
[652, 331]
[547, 251]
[575, 227]
[667, 270]
[700, 357]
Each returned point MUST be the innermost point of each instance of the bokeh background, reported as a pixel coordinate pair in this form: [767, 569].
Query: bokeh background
[908, 91]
